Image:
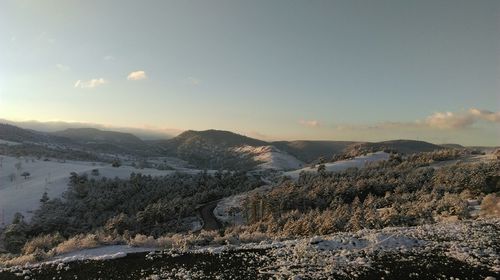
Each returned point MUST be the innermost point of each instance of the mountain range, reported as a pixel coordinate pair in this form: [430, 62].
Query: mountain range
[212, 149]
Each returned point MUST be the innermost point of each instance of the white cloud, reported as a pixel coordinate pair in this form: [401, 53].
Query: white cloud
[438, 120]
[461, 119]
[449, 120]
[90, 83]
[137, 75]
[485, 115]
[62, 68]
[109, 58]
[309, 123]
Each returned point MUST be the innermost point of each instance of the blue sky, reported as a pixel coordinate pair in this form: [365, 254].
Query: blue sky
[339, 70]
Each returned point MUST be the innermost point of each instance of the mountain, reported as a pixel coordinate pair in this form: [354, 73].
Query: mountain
[219, 138]
[309, 151]
[212, 149]
[400, 146]
[54, 126]
[16, 134]
[106, 141]
[94, 135]
[452, 146]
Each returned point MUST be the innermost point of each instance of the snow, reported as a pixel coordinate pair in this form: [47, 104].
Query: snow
[8, 143]
[100, 253]
[271, 157]
[342, 165]
[349, 253]
[229, 210]
[23, 195]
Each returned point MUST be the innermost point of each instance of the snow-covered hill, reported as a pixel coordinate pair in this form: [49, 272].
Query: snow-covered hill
[230, 209]
[18, 194]
[342, 165]
[271, 157]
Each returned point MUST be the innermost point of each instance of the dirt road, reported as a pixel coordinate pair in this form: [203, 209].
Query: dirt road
[207, 215]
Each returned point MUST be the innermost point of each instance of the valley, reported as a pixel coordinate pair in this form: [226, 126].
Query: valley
[175, 207]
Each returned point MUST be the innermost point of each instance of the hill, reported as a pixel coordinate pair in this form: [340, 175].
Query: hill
[212, 149]
[400, 146]
[309, 151]
[105, 141]
[94, 135]
[16, 134]
[220, 138]
[452, 146]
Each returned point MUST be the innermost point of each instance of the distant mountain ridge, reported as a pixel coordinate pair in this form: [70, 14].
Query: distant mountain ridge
[103, 140]
[215, 149]
[307, 151]
[97, 135]
[16, 134]
[400, 146]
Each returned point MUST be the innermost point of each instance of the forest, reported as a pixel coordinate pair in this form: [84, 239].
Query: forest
[154, 211]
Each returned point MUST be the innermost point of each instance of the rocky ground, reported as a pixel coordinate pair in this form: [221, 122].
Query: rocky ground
[462, 250]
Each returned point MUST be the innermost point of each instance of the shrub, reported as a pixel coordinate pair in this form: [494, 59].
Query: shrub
[490, 206]
[42, 242]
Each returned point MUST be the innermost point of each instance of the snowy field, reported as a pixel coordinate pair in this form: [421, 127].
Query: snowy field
[18, 194]
[342, 165]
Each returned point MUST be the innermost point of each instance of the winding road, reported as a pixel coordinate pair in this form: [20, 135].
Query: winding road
[207, 215]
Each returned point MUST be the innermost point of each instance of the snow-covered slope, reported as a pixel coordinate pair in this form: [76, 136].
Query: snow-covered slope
[343, 164]
[271, 157]
[18, 194]
[229, 210]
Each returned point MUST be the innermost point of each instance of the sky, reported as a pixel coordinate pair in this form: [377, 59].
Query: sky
[331, 70]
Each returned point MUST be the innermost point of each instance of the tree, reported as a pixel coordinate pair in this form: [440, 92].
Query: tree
[73, 178]
[25, 175]
[18, 218]
[15, 234]
[94, 172]
[116, 163]
[357, 220]
[321, 169]
[45, 198]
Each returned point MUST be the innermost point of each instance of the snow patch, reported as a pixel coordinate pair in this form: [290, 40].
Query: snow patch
[229, 210]
[9, 143]
[271, 157]
[342, 165]
[100, 253]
